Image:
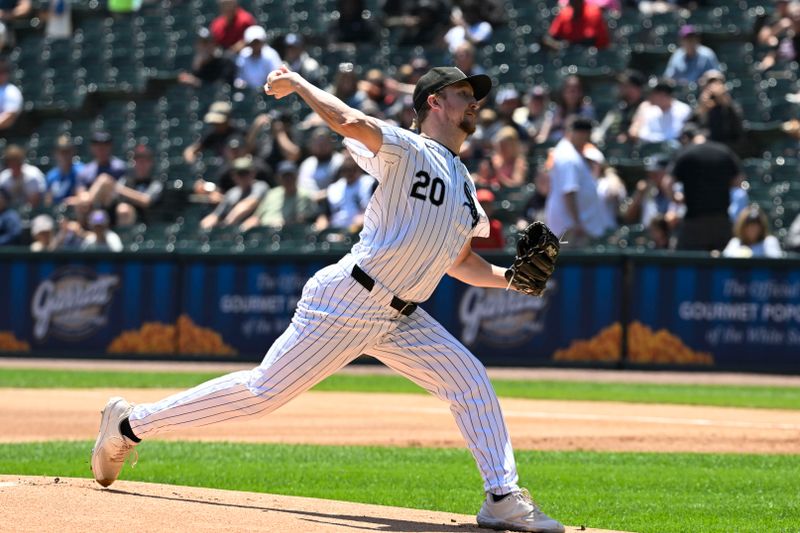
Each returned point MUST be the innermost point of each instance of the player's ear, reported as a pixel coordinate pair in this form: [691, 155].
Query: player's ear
[433, 100]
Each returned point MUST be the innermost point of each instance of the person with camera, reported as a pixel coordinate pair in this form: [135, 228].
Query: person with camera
[717, 112]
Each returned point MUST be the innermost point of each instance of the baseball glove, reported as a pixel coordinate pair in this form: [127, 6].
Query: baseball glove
[537, 251]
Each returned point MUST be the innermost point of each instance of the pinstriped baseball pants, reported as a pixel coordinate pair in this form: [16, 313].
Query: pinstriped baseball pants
[336, 321]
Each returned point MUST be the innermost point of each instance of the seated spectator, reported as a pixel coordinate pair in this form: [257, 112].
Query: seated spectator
[97, 179]
[10, 97]
[69, 236]
[223, 180]
[138, 190]
[297, 59]
[256, 60]
[658, 195]
[617, 122]
[229, 27]
[573, 207]
[507, 100]
[425, 25]
[99, 237]
[777, 23]
[10, 223]
[354, 24]
[24, 183]
[402, 112]
[464, 59]
[345, 86]
[62, 179]
[661, 117]
[781, 35]
[495, 240]
[692, 59]
[717, 113]
[660, 233]
[239, 202]
[610, 188]
[346, 198]
[751, 236]
[508, 161]
[42, 233]
[537, 117]
[319, 169]
[270, 138]
[209, 63]
[377, 89]
[215, 139]
[570, 100]
[706, 170]
[468, 26]
[579, 23]
[284, 205]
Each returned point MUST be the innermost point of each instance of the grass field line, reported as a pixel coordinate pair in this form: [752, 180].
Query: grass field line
[626, 418]
[694, 377]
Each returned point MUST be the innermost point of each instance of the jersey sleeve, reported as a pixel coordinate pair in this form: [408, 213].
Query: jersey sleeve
[397, 144]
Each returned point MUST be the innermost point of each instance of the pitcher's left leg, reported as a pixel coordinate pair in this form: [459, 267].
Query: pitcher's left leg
[424, 352]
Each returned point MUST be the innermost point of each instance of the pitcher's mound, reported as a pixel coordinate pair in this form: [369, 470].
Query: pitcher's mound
[35, 504]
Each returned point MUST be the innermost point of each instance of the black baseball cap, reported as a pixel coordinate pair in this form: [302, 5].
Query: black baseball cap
[438, 78]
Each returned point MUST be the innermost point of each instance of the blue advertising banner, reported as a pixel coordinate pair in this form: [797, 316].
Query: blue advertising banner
[598, 309]
[730, 313]
[80, 305]
[248, 303]
[505, 327]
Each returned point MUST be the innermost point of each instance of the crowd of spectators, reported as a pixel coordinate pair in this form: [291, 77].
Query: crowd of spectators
[276, 170]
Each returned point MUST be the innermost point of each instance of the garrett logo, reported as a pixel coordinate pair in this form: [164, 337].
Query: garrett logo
[503, 318]
[72, 303]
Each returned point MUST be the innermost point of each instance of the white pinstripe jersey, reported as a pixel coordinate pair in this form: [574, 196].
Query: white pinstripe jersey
[420, 216]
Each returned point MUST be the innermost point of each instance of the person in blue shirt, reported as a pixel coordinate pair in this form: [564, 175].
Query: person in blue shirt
[692, 59]
[10, 223]
[62, 179]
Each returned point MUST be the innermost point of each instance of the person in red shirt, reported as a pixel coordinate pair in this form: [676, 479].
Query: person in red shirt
[579, 23]
[495, 240]
[228, 28]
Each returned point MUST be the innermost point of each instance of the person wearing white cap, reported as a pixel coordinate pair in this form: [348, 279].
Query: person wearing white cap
[610, 188]
[573, 208]
[256, 60]
[42, 233]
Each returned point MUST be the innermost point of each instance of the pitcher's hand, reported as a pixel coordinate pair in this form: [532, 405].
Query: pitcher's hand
[281, 82]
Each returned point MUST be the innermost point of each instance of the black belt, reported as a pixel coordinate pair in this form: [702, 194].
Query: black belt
[405, 308]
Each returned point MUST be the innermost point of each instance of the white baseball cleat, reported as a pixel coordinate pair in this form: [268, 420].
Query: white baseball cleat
[111, 447]
[516, 512]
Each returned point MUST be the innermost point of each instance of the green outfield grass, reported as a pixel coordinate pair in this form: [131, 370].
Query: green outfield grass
[719, 395]
[644, 492]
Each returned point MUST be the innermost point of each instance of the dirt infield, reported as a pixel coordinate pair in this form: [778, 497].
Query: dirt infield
[419, 420]
[80, 505]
